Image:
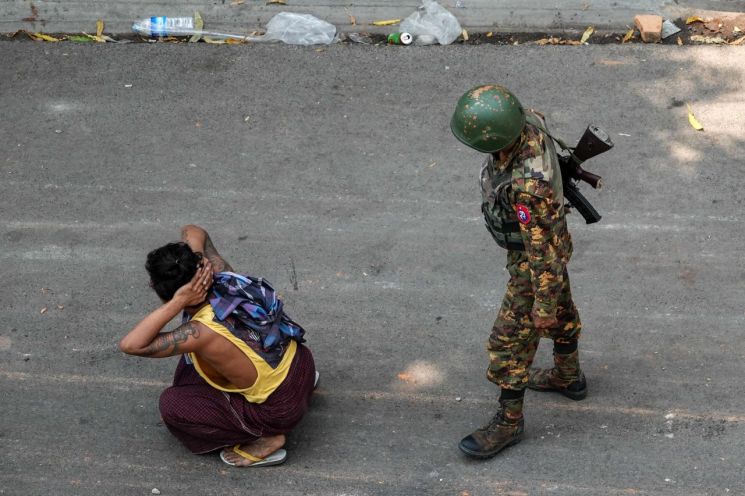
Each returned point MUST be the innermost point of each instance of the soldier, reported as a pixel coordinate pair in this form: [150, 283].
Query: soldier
[523, 205]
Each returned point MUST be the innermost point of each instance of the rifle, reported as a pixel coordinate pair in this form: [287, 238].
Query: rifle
[594, 142]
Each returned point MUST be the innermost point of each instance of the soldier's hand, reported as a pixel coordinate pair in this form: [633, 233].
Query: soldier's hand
[545, 322]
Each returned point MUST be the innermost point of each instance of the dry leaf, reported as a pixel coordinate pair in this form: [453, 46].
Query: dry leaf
[586, 35]
[736, 29]
[489, 34]
[99, 39]
[714, 25]
[717, 40]
[555, 41]
[352, 20]
[278, 2]
[693, 19]
[465, 35]
[43, 310]
[198, 25]
[680, 41]
[695, 124]
[629, 34]
[319, 50]
[99, 27]
[212, 41]
[738, 41]
[235, 41]
[405, 376]
[236, 3]
[389, 22]
[44, 37]
[19, 32]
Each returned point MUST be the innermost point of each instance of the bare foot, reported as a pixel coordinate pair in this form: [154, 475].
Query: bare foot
[261, 448]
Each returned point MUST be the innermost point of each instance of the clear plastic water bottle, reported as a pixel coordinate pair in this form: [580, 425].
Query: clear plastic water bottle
[164, 26]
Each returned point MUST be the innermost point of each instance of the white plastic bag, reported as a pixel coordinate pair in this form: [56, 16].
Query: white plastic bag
[432, 19]
[299, 29]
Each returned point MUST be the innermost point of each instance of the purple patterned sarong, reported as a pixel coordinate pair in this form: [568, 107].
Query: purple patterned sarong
[206, 419]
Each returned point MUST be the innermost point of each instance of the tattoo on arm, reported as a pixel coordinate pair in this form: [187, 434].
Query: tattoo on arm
[170, 341]
[217, 261]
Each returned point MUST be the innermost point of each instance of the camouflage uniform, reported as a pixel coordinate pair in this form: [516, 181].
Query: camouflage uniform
[539, 283]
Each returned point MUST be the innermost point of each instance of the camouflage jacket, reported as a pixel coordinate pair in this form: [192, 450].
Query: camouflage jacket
[536, 203]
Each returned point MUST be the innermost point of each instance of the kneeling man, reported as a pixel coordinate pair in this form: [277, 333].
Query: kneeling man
[244, 379]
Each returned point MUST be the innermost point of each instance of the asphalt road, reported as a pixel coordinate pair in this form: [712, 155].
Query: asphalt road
[340, 162]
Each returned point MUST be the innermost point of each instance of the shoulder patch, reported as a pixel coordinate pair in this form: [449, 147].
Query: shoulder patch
[523, 213]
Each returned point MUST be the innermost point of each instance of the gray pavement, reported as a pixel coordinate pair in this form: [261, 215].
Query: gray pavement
[346, 166]
[244, 16]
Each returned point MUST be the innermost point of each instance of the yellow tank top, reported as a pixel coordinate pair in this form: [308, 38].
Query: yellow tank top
[267, 380]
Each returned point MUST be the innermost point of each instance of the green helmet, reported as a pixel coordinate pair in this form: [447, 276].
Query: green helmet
[488, 118]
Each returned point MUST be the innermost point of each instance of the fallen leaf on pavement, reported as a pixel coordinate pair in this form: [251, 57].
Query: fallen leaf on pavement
[235, 3]
[352, 20]
[212, 41]
[44, 37]
[198, 25]
[695, 124]
[43, 310]
[489, 34]
[629, 34]
[714, 25]
[716, 40]
[738, 41]
[99, 27]
[680, 41]
[405, 376]
[693, 19]
[586, 35]
[465, 35]
[235, 41]
[79, 38]
[555, 41]
[388, 22]
[278, 2]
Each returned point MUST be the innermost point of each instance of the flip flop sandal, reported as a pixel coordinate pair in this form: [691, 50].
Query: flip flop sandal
[276, 458]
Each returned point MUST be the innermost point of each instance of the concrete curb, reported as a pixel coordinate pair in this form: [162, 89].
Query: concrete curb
[512, 16]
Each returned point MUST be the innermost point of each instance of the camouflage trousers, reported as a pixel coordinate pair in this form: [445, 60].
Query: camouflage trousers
[514, 340]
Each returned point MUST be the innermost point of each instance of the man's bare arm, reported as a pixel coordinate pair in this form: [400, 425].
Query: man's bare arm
[199, 241]
[144, 338]
[219, 263]
[183, 339]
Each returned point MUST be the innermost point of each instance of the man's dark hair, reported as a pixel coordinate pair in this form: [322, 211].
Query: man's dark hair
[170, 267]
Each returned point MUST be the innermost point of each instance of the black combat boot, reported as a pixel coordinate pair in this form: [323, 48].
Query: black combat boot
[503, 430]
[565, 378]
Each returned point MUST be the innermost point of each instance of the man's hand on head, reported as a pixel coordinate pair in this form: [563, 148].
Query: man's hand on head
[195, 291]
